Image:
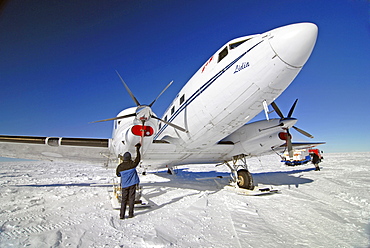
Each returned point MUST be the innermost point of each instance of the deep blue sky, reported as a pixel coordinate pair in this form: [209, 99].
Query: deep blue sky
[58, 61]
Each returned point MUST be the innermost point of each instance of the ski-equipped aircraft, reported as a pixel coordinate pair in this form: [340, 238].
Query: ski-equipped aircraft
[209, 119]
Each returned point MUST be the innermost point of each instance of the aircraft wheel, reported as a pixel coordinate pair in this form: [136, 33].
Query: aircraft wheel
[245, 179]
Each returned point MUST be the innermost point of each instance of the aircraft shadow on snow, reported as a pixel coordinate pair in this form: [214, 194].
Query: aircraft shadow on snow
[64, 185]
[185, 179]
[193, 180]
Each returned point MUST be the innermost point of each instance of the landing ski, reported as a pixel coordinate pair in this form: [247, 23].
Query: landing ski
[257, 191]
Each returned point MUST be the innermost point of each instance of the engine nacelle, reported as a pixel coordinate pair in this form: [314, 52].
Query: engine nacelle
[130, 131]
[253, 136]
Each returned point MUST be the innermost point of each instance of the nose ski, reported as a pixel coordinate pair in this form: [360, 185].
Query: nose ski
[257, 191]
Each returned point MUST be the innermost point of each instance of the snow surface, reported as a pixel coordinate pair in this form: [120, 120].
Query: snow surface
[45, 204]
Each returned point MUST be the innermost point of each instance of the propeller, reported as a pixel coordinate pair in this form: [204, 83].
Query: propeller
[143, 112]
[289, 117]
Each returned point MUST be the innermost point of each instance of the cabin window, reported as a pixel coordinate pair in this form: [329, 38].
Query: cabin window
[160, 125]
[236, 44]
[173, 110]
[182, 99]
[165, 118]
[222, 54]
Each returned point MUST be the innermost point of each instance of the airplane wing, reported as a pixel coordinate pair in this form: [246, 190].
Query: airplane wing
[299, 145]
[90, 150]
[162, 153]
[96, 151]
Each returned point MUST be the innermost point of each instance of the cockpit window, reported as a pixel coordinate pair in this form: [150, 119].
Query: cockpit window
[236, 44]
[222, 54]
[182, 99]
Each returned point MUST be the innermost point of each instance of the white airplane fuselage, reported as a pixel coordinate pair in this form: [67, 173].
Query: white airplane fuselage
[224, 94]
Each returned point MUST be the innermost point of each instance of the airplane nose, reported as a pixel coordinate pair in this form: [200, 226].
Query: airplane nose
[294, 43]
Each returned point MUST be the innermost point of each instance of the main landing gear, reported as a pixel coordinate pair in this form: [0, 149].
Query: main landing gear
[240, 178]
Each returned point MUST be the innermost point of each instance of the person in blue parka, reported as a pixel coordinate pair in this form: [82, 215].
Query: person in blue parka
[129, 179]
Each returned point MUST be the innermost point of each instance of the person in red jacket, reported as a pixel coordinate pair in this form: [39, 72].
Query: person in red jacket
[129, 179]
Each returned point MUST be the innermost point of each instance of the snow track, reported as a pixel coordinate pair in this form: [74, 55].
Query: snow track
[46, 204]
[37, 229]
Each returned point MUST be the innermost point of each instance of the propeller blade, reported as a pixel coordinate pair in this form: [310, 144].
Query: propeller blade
[292, 109]
[161, 93]
[129, 91]
[289, 144]
[170, 124]
[303, 132]
[116, 118]
[277, 110]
